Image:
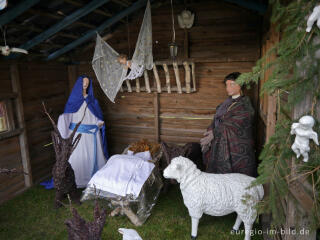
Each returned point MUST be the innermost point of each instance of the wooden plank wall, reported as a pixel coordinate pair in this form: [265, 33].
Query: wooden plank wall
[48, 83]
[9, 149]
[225, 38]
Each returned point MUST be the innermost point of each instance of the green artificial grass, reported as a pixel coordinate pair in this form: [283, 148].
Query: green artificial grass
[31, 216]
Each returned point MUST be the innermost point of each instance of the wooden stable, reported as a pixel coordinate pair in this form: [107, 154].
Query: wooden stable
[173, 102]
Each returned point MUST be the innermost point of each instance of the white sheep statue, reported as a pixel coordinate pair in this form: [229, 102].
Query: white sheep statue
[215, 194]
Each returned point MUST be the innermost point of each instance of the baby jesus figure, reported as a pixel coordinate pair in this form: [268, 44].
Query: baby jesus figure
[303, 131]
[123, 59]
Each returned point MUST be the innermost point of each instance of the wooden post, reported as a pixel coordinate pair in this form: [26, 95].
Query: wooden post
[156, 76]
[299, 201]
[166, 72]
[72, 76]
[15, 80]
[193, 70]
[176, 73]
[138, 85]
[128, 86]
[146, 80]
[186, 43]
[271, 116]
[187, 76]
[156, 117]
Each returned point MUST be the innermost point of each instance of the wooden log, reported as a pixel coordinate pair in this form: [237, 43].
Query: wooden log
[193, 70]
[156, 117]
[15, 80]
[128, 86]
[146, 79]
[167, 74]
[187, 76]
[138, 85]
[176, 73]
[156, 76]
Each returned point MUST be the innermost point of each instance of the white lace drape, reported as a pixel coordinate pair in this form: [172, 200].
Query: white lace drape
[110, 73]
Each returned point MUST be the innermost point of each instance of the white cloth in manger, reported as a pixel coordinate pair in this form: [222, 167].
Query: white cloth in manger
[110, 73]
[123, 174]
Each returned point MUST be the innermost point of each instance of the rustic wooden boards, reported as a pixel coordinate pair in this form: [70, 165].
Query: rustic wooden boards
[169, 70]
[182, 118]
[48, 83]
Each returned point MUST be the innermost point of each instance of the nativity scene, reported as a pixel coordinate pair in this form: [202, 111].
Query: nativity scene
[167, 119]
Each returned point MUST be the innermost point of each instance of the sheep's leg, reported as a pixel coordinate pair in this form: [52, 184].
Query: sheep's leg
[237, 223]
[247, 229]
[194, 231]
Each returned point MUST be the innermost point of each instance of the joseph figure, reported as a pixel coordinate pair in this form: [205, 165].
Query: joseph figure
[228, 145]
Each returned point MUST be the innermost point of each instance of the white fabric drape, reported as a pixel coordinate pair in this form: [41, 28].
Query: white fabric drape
[123, 174]
[110, 73]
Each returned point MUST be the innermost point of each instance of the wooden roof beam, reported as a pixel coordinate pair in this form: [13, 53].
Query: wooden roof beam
[134, 7]
[97, 11]
[53, 16]
[250, 4]
[123, 3]
[16, 11]
[38, 30]
[66, 21]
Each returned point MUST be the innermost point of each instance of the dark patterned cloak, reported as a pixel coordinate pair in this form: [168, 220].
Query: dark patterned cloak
[232, 147]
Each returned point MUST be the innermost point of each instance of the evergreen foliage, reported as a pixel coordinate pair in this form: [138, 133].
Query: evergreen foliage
[295, 74]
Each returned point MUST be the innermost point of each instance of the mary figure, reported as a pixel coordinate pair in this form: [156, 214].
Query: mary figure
[91, 153]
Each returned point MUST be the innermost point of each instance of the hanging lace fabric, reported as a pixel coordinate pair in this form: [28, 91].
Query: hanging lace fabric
[110, 73]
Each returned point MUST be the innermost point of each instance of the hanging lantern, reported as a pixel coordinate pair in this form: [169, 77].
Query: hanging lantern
[173, 47]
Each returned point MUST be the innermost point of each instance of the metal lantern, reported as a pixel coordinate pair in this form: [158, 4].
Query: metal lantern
[173, 47]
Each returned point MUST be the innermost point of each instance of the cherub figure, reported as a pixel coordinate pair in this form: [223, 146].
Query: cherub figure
[123, 59]
[303, 131]
[314, 17]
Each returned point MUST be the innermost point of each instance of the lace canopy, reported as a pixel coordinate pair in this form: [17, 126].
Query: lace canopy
[110, 73]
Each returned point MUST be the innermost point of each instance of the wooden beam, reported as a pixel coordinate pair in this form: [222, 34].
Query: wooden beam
[146, 81]
[187, 77]
[138, 85]
[15, 80]
[64, 23]
[250, 4]
[156, 76]
[193, 71]
[97, 11]
[39, 30]
[59, 17]
[134, 7]
[123, 3]
[167, 74]
[156, 117]
[177, 75]
[16, 11]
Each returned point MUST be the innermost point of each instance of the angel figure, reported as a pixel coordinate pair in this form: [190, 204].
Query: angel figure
[303, 131]
[314, 17]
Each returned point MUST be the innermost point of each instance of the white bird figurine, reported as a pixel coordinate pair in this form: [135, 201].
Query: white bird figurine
[315, 16]
[6, 50]
[129, 234]
[185, 19]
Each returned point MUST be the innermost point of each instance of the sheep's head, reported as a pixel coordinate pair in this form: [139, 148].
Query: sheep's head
[177, 168]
